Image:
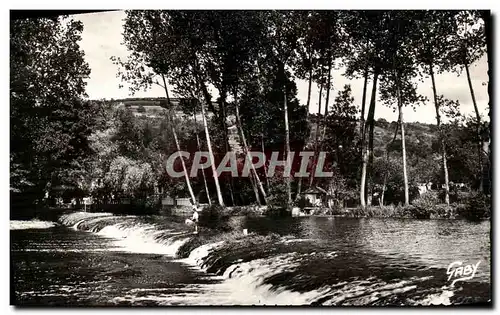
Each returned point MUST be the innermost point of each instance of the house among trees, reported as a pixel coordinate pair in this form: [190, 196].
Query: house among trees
[317, 197]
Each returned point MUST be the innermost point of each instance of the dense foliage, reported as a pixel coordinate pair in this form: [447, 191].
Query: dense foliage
[230, 86]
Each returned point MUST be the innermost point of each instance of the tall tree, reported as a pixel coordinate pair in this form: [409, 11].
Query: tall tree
[367, 44]
[247, 153]
[398, 82]
[341, 142]
[171, 44]
[436, 28]
[50, 122]
[282, 35]
[239, 41]
[203, 170]
[469, 45]
[306, 62]
[330, 38]
[170, 110]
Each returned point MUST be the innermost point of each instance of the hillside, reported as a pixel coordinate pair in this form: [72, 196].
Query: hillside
[152, 108]
[417, 135]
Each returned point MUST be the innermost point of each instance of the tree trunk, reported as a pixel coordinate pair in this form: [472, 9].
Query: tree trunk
[287, 140]
[363, 177]
[299, 189]
[226, 140]
[486, 16]
[478, 121]
[363, 102]
[171, 115]
[203, 170]
[204, 91]
[384, 185]
[212, 158]
[254, 188]
[328, 86]
[265, 162]
[443, 147]
[403, 146]
[245, 148]
[309, 89]
[386, 174]
[370, 121]
[362, 135]
[478, 117]
[318, 120]
[299, 184]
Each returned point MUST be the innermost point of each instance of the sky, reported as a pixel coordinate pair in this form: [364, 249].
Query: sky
[102, 38]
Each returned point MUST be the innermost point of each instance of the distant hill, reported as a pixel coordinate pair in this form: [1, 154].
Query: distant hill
[151, 107]
[416, 134]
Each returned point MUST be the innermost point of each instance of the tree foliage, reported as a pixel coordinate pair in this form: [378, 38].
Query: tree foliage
[50, 121]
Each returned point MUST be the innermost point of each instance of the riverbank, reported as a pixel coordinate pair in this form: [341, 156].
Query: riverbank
[472, 212]
[439, 211]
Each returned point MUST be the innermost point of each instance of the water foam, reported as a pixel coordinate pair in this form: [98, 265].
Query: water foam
[141, 239]
[440, 298]
[243, 282]
[74, 218]
[32, 224]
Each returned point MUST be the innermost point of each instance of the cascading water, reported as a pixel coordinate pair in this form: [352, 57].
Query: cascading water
[32, 224]
[273, 271]
[142, 267]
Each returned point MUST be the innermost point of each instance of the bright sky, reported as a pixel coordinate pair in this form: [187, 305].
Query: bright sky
[102, 38]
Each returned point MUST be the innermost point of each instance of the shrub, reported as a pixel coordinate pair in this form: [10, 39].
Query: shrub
[278, 199]
[277, 202]
[337, 209]
[477, 207]
[277, 211]
[409, 211]
[373, 211]
[456, 196]
[192, 243]
[388, 211]
[357, 212]
[214, 217]
[152, 204]
[427, 199]
[247, 211]
[442, 211]
[424, 206]
[462, 196]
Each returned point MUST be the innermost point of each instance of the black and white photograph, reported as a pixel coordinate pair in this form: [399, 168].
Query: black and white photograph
[165, 157]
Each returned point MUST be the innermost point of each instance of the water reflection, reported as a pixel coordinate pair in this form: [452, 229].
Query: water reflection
[323, 260]
[435, 243]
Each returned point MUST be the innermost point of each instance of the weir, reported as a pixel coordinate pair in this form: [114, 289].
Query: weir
[267, 269]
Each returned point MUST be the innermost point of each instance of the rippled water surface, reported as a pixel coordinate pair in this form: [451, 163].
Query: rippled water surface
[104, 260]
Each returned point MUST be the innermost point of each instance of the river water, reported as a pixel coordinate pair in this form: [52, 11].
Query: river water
[90, 259]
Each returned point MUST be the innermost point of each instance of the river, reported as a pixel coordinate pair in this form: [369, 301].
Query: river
[88, 259]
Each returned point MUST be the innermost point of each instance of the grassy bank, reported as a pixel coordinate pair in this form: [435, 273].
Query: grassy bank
[428, 206]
